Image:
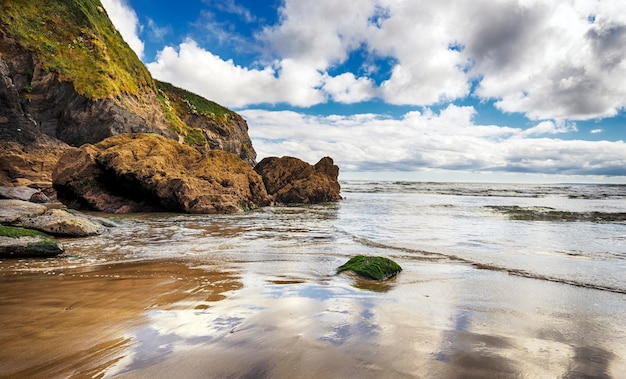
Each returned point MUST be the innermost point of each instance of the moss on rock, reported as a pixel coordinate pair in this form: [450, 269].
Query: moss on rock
[26, 243]
[376, 268]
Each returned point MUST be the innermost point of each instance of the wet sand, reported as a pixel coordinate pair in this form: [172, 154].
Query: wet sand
[202, 319]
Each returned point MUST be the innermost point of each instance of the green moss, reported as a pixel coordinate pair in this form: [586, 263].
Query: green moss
[191, 136]
[15, 232]
[376, 268]
[185, 103]
[77, 40]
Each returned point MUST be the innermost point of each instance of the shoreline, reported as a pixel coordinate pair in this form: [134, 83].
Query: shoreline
[197, 319]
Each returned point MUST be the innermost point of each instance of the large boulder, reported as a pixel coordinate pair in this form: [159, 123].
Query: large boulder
[147, 172]
[290, 180]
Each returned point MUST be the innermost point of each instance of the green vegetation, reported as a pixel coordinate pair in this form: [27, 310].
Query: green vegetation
[376, 268]
[77, 40]
[192, 136]
[185, 102]
[15, 232]
[178, 103]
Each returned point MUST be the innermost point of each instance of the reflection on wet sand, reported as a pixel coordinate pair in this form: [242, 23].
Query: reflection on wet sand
[74, 321]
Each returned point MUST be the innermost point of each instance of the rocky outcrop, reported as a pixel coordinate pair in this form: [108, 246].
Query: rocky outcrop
[143, 172]
[207, 124]
[24, 243]
[68, 78]
[290, 180]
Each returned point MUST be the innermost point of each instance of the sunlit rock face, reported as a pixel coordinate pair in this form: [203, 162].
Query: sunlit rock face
[147, 172]
[290, 180]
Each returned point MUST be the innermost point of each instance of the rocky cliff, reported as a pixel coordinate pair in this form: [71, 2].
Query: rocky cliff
[68, 78]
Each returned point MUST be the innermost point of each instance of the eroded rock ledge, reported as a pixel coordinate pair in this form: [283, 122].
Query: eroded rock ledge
[147, 172]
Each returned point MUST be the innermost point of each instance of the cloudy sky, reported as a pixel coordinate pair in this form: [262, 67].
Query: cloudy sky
[405, 89]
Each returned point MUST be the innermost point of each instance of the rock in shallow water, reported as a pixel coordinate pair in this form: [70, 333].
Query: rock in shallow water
[292, 181]
[62, 223]
[376, 268]
[25, 243]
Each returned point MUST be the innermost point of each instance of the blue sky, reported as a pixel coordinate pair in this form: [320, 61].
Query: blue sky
[505, 90]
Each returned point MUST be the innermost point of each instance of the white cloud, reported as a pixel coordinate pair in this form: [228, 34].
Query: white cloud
[345, 88]
[548, 60]
[206, 74]
[448, 140]
[550, 127]
[597, 131]
[125, 20]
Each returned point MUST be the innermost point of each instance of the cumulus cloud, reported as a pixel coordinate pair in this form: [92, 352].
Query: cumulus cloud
[448, 139]
[125, 20]
[548, 60]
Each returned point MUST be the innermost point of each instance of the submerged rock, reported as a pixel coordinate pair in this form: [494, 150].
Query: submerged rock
[26, 243]
[147, 172]
[376, 268]
[290, 180]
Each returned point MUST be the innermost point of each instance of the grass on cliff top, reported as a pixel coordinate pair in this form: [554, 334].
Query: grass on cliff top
[185, 102]
[376, 268]
[76, 39]
[178, 103]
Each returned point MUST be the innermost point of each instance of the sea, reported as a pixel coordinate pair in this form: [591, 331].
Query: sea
[567, 233]
[499, 280]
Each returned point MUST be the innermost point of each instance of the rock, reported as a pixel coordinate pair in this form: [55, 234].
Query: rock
[25, 243]
[147, 172]
[290, 180]
[17, 193]
[39, 197]
[61, 223]
[13, 210]
[376, 268]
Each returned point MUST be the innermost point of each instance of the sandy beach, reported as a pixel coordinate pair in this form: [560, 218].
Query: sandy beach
[186, 318]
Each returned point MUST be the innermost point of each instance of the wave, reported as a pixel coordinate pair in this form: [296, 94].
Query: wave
[572, 191]
[424, 255]
[515, 212]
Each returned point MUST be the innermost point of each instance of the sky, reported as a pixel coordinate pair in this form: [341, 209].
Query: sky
[482, 90]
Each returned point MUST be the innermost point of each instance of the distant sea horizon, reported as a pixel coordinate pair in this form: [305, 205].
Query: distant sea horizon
[451, 176]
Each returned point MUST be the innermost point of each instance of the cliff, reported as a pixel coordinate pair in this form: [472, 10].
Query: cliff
[68, 78]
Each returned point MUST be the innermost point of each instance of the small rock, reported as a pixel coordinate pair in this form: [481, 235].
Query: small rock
[39, 197]
[376, 268]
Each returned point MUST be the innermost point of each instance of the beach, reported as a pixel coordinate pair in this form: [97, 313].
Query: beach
[256, 295]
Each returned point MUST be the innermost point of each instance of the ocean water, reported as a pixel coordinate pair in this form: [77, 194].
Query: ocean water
[570, 233]
[498, 280]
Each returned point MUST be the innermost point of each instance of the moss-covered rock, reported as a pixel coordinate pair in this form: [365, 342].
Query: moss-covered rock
[26, 243]
[376, 268]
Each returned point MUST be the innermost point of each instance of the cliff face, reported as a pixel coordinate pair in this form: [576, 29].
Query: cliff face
[67, 74]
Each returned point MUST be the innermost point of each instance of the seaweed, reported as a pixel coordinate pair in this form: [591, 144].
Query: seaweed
[376, 268]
